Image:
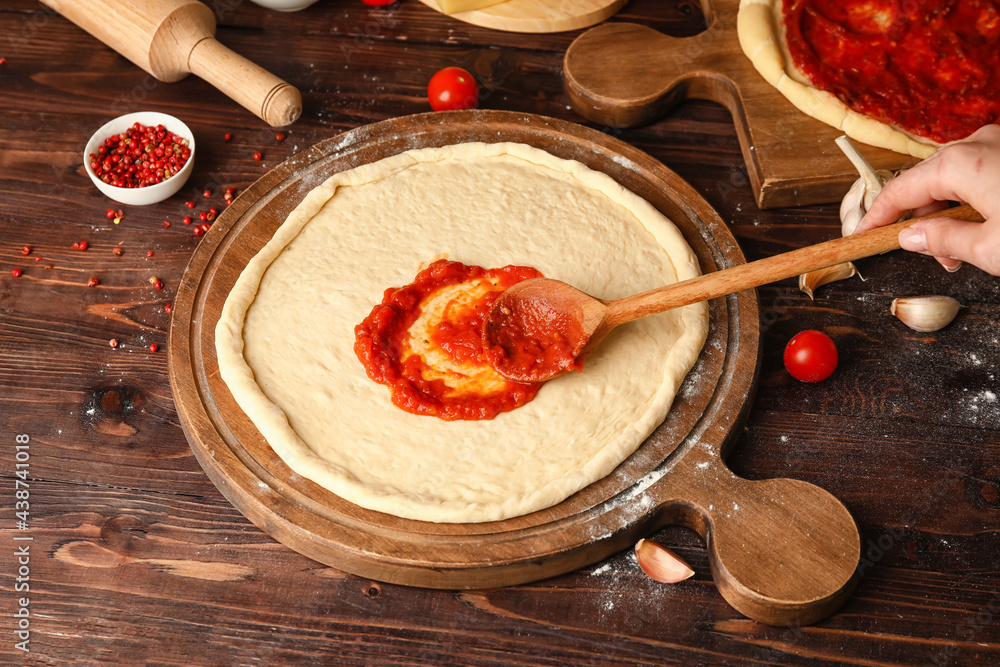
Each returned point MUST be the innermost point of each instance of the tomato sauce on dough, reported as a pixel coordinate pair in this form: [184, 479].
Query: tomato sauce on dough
[424, 341]
[929, 67]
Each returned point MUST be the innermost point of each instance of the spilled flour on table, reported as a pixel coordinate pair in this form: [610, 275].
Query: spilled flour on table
[604, 569]
[625, 593]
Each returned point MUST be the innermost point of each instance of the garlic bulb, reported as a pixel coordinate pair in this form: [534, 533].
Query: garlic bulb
[925, 313]
[861, 195]
[661, 564]
[852, 208]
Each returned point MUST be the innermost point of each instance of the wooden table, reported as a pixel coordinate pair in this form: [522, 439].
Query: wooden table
[135, 557]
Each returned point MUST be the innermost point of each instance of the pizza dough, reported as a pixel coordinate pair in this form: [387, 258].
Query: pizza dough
[285, 337]
[762, 37]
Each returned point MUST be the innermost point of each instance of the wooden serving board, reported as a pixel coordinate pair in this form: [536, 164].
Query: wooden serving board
[782, 551]
[539, 15]
[623, 74]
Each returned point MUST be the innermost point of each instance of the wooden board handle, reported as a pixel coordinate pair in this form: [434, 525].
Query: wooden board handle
[273, 100]
[782, 551]
[624, 74]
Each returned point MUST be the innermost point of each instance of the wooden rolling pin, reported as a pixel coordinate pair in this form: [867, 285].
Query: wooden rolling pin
[173, 38]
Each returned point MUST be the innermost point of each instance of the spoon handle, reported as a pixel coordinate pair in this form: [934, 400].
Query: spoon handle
[771, 269]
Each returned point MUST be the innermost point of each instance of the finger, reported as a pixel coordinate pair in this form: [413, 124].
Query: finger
[917, 188]
[929, 208]
[953, 240]
[964, 171]
[950, 265]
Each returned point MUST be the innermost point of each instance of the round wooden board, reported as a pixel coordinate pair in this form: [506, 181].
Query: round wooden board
[538, 15]
[676, 476]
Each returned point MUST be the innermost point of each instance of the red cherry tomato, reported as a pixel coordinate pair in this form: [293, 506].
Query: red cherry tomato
[452, 88]
[811, 356]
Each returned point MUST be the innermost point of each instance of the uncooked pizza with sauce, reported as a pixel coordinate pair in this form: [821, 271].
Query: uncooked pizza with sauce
[907, 75]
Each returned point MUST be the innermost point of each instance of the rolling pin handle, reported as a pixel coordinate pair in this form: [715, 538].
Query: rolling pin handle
[271, 99]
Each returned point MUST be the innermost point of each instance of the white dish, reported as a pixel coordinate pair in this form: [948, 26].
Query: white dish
[149, 194]
[284, 5]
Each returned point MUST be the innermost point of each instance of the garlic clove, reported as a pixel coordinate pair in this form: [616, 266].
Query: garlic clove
[808, 282]
[852, 208]
[661, 564]
[925, 313]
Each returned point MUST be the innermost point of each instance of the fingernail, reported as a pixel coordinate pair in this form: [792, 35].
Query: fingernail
[913, 239]
[953, 269]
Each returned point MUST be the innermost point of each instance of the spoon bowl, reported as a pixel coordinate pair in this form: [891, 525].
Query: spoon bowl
[540, 328]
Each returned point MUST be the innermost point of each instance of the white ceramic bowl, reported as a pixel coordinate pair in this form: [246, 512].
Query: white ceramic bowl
[149, 194]
[284, 5]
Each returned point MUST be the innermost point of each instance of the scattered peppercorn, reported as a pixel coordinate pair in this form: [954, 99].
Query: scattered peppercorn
[93, 282]
[189, 204]
[117, 251]
[187, 220]
[203, 216]
[149, 253]
[227, 136]
[83, 245]
[26, 250]
[198, 231]
[110, 213]
[230, 191]
[158, 284]
[153, 347]
[207, 193]
[280, 136]
[16, 273]
[168, 308]
[166, 224]
[258, 156]
[113, 342]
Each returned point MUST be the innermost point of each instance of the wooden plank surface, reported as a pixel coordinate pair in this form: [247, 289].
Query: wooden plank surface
[137, 558]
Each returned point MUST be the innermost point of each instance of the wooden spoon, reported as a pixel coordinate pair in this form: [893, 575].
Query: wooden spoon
[559, 324]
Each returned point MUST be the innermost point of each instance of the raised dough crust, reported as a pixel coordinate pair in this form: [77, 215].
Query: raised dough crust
[761, 32]
[284, 341]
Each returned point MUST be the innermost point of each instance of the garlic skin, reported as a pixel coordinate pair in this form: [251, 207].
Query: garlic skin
[661, 564]
[925, 313]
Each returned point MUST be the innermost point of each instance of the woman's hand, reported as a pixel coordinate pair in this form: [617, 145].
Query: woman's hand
[967, 171]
